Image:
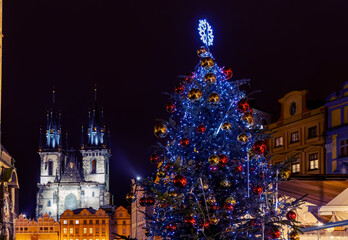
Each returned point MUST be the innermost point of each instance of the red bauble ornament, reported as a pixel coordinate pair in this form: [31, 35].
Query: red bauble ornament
[275, 234]
[228, 72]
[142, 201]
[228, 206]
[204, 224]
[155, 159]
[238, 168]
[257, 190]
[214, 207]
[184, 142]
[243, 106]
[189, 77]
[179, 89]
[252, 222]
[201, 128]
[150, 201]
[190, 221]
[171, 227]
[180, 181]
[251, 170]
[259, 147]
[291, 215]
[223, 160]
[213, 169]
[170, 107]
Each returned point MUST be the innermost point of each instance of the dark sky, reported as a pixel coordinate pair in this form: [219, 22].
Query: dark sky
[135, 49]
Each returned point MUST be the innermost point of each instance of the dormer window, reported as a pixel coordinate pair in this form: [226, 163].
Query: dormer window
[292, 108]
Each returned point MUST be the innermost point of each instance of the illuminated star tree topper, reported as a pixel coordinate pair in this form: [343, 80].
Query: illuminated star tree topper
[206, 32]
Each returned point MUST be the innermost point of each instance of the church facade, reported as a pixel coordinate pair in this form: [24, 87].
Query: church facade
[72, 179]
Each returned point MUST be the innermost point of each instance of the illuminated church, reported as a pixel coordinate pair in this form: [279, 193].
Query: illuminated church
[71, 179]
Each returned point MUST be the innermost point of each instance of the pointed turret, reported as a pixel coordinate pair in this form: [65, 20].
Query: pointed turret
[96, 129]
[53, 129]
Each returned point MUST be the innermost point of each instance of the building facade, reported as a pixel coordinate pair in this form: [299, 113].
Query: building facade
[337, 132]
[122, 222]
[299, 133]
[72, 179]
[44, 228]
[138, 223]
[85, 224]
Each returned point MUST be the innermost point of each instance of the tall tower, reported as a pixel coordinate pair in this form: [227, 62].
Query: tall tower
[96, 154]
[50, 152]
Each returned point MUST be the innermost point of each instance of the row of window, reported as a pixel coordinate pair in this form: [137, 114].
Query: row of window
[84, 222]
[85, 231]
[295, 136]
[92, 154]
[313, 163]
[41, 229]
[84, 239]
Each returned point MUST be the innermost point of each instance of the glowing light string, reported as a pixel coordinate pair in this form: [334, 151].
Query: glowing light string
[206, 32]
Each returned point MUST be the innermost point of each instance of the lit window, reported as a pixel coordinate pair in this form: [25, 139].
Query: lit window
[294, 137]
[77, 222]
[85, 230]
[71, 231]
[278, 142]
[90, 230]
[344, 148]
[295, 168]
[313, 161]
[65, 222]
[65, 230]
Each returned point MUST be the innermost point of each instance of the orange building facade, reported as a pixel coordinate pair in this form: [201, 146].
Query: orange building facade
[45, 228]
[122, 221]
[85, 224]
[299, 133]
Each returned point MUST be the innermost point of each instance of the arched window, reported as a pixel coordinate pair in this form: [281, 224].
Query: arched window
[94, 166]
[49, 203]
[50, 168]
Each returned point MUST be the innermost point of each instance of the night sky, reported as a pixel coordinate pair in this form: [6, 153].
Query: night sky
[134, 50]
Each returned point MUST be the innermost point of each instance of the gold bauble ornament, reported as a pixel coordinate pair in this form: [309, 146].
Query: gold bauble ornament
[160, 130]
[210, 77]
[194, 94]
[226, 126]
[294, 236]
[248, 117]
[214, 160]
[205, 186]
[285, 174]
[130, 197]
[161, 173]
[211, 200]
[225, 183]
[214, 98]
[229, 229]
[214, 220]
[242, 137]
[201, 51]
[207, 62]
[231, 200]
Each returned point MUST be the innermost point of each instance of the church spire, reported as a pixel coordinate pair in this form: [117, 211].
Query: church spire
[96, 129]
[53, 127]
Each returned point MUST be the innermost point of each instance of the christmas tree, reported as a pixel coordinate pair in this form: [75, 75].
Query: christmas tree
[213, 180]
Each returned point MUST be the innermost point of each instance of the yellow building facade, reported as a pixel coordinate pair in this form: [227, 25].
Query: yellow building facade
[44, 229]
[122, 221]
[299, 133]
[85, 224]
